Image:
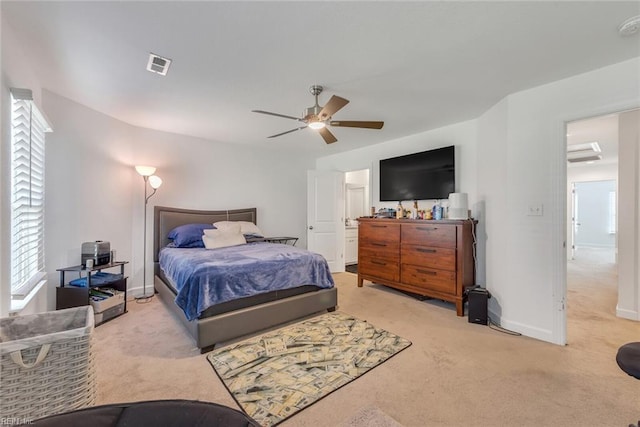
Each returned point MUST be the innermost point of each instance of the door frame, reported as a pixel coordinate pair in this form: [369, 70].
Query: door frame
[559, 293]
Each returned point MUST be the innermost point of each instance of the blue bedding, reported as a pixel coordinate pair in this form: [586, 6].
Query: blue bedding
[205, 277]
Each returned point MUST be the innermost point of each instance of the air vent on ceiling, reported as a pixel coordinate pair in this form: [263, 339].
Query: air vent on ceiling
[585, 152]
[158, 64]
[584, 159]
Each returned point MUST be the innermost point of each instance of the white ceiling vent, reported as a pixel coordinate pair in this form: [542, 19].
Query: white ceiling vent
[585, 152]
[158, 64]
[584, 159]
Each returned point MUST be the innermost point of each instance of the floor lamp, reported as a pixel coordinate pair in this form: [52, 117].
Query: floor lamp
[154, 182]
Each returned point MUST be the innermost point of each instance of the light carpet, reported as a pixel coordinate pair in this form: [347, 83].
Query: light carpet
[371, 416]
[275, 375]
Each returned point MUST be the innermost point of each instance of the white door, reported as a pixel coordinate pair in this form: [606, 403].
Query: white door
[325, 216]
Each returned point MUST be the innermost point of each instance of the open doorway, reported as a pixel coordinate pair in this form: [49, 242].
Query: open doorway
[357, 202]
[592, 174]
[592, 224]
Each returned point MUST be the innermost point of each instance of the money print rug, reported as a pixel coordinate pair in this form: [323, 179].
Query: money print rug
[275, 375]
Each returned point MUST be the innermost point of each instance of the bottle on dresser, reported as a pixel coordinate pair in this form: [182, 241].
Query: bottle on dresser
[399, 211]
[437, 211]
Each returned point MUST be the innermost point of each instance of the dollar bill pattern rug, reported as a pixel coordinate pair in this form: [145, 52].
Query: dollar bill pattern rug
[275, 375]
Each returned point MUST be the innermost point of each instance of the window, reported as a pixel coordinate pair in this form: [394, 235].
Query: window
[28, 127]
[612, 212]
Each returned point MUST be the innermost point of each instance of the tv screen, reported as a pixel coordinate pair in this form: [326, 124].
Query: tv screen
[420, 176]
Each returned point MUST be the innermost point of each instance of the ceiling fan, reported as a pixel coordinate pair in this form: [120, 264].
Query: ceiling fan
[319, 118]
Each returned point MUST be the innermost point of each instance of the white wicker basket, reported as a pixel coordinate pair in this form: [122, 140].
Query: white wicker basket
[46, 363]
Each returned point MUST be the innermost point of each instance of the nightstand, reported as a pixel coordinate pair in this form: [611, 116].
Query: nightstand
[107, 293]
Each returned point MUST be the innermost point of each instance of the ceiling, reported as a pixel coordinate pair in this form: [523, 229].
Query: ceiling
[414, 65]
[603, 130]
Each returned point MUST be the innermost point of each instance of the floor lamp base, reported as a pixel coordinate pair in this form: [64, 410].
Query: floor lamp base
[144, 296]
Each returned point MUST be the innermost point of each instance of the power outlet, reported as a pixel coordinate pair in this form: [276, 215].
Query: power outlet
[535, 209]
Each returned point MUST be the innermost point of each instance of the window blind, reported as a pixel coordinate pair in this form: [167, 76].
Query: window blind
[28, 127]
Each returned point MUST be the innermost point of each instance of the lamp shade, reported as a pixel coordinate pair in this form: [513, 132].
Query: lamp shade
[155, 181]
[316, 125]
[145, 170]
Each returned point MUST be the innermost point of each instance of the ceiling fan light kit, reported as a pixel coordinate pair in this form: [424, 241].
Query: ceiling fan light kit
[317, 125]
[318, 118]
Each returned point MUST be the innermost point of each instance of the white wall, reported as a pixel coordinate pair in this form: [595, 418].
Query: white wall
[492, 197]
[629, 216]
[462, 135]
[528, 279]
[93, 191]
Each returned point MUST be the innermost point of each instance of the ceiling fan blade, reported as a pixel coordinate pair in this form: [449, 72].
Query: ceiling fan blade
[277, 115]
[289, 131]
[327, 136]
[357, 124]
[330, 108]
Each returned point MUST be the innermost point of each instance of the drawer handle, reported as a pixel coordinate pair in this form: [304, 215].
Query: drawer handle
[379, 244]
[429, 251]
[429, 272]
[427, 228]
[378, 226]
[378, 262]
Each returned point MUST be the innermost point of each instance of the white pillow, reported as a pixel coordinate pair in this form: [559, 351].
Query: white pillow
[246, 227]
[226, 226]
[223, 238]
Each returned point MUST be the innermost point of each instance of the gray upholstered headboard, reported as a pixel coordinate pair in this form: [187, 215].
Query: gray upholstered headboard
[166, 219]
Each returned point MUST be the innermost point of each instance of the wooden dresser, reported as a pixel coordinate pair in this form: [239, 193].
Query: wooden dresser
[428, 258]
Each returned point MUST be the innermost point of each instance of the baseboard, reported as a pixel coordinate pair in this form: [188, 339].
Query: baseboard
[627, 314]
[526, 330]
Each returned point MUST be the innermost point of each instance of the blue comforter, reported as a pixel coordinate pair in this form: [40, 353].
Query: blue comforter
[205, 277]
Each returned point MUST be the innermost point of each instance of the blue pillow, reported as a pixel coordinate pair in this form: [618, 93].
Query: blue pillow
[189, 235]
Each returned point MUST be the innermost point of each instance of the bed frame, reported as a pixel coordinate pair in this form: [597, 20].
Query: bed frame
[209, 331]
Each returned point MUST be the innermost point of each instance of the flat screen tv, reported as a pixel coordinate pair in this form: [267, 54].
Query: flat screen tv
[428, 175]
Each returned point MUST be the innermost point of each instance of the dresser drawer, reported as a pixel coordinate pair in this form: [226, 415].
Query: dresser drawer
[440, 258]
[438, 235]
[371, 252]
[383, 268]
[382, 231]
[429, 278]
[379, 248]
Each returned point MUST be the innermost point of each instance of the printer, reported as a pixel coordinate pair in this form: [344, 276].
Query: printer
[99, 251]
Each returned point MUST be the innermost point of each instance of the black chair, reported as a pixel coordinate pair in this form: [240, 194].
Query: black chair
[157, 413]
[628, 359]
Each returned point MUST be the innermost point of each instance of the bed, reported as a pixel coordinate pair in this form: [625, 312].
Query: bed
[229, 319]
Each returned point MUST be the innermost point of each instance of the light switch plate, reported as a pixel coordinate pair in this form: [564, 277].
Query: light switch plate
[535, 209]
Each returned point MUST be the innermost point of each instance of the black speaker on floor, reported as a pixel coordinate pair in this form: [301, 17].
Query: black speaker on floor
[478, 299]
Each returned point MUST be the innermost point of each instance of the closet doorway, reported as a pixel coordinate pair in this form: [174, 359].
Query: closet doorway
[357, 204]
